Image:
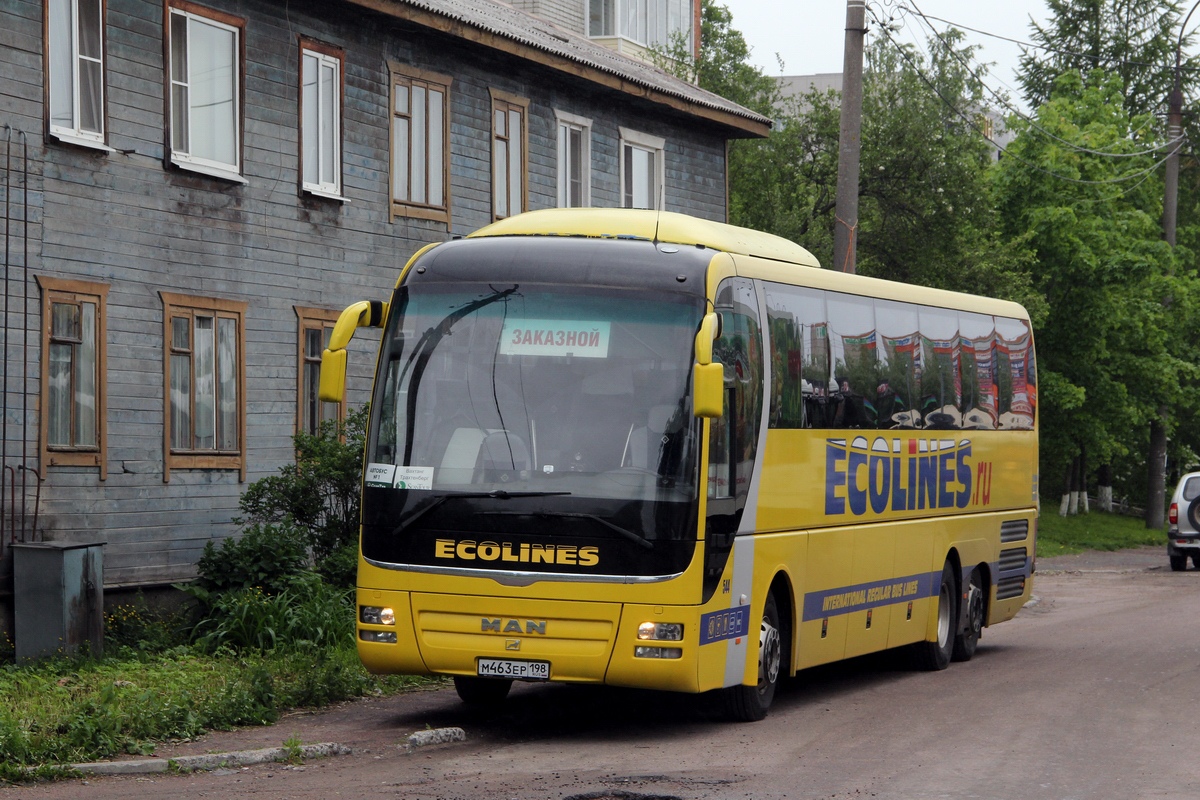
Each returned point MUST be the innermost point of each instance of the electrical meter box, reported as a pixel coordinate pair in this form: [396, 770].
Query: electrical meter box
[58, 599]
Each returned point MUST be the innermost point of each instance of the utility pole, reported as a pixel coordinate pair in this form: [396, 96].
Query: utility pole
[845, 230]
[1156, 458]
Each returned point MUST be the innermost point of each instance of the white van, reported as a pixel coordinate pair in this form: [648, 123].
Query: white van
[1183, 528]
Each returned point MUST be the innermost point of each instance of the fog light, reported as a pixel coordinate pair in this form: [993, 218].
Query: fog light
[382, 637]
[641, 651]
[374, 615]
[661, 631]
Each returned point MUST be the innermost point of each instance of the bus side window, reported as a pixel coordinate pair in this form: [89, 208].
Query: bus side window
[733, 441]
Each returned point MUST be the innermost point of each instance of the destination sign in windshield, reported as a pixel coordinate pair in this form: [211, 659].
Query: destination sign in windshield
[555, 337]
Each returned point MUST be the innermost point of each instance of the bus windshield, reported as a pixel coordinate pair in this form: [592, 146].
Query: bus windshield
[504, 408]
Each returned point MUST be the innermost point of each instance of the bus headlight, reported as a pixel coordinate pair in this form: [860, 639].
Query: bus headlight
[661, 631]
[374, 615]
[642, 651]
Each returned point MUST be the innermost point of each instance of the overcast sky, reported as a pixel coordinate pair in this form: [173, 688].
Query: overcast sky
[809, 35]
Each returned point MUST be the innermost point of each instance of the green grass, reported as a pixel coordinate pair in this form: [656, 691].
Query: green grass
[1059, 536]
[63, 710]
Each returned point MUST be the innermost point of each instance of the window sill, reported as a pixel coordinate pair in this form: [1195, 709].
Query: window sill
[420, 212]
[323, 193]
[80, 141]
[211, 171]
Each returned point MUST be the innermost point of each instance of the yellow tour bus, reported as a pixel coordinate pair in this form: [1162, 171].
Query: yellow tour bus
[647, 450]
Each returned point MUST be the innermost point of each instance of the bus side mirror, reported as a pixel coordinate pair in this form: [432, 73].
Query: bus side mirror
[333, 376]
[708, 377]
[364, 314]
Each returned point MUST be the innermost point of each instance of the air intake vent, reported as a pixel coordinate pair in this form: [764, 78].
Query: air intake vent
[1013, 560]
[1010, 587]
[1015, 530]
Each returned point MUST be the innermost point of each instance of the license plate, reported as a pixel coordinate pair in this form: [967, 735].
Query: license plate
[508, 668]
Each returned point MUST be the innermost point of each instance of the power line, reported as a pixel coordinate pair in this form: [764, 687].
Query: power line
[1003, 100]
[970, 122]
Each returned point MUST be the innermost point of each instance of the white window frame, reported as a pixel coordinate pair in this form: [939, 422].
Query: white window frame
[328, 132]
[644, 22]
[567, 123]
[188, 14]
[58, 51]
[644, 142]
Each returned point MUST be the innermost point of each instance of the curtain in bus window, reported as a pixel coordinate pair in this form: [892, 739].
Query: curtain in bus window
[899, 339]
[853, 346]
[977, 348]
[1016, 391]
[941, 381]
[799, 358]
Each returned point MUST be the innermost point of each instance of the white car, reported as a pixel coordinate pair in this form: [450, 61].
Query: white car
[1183, 523]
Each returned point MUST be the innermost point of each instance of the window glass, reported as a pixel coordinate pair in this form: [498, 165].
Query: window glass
[977, 363]
[856, 369]
[941, 381]
[320, 135]
[205, 79]
[75, 61]
[1015, 375]
[898, 348]
[800, 375]
[733, 437]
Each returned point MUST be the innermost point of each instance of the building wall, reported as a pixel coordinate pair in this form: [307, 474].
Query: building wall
[125, 220]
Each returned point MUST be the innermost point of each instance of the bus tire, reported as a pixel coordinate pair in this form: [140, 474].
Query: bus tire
[935, 655]
[481, 692]
[966, 640]
[750, 703]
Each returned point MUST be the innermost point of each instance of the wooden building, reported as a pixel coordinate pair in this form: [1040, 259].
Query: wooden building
[191, 192]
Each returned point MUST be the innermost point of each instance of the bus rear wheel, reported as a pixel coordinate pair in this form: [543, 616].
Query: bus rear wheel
[935, 655]
[750, 703]
[481, 692]
[966, 640]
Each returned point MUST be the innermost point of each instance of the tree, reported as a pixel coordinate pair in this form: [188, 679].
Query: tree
[1134, 40]
[1080, 185]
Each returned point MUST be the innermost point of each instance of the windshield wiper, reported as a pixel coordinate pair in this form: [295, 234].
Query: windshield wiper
[637, 538]
[499, 494]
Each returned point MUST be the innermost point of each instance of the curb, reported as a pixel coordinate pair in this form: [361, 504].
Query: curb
[434, 736]
[210, 761]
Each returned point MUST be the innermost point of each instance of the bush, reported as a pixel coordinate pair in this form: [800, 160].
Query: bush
[311, 615]
[319, 494]
[139, 628]
[270, 557]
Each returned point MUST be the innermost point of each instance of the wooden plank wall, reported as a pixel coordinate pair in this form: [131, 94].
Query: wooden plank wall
[123, 219]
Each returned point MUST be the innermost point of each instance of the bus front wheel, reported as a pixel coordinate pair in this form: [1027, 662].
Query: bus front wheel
[750, 703]
[481, 692]
[935, 655]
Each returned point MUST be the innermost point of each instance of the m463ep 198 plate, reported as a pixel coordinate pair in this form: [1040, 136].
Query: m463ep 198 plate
[510, 668]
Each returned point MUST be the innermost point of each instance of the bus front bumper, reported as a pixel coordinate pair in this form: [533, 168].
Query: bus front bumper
[579, 642]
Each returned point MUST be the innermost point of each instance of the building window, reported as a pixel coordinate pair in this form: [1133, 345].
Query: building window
[73, 391]
[641, 170]
[508, 154]
[205, 58]
[648, 23]
[420, 151]
[204, 383]
[321, 118]
[315, 325]
[574, 160]
[75, 63]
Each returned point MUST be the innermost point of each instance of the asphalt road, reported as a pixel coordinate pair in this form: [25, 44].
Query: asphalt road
[1091, 692]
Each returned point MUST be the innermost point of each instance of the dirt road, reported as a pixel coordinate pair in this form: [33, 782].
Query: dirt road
[1090, 693]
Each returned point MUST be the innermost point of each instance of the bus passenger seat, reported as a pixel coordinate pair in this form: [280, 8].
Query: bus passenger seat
[645, 441]
[462, 453]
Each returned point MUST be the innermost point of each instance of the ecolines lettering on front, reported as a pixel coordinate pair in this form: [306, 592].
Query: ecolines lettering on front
[881, 476]
[525, 553]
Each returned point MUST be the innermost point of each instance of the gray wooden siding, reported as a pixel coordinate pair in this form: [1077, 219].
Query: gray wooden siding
[124, 219]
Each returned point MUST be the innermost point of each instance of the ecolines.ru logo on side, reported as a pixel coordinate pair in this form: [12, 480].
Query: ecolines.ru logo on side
[933, 474]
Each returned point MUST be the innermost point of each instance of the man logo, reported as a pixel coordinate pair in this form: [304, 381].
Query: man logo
[512, 644]
[512, 626]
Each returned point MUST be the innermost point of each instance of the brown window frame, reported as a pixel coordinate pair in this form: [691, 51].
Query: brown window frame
[58, 290]
[181, 305]
[409, 77]
[308, 319]
[506, 103]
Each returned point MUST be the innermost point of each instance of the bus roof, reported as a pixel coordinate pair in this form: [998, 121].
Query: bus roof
[655, 226]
